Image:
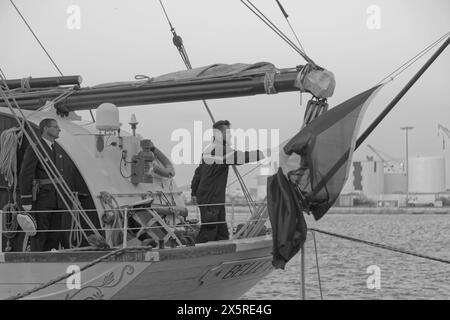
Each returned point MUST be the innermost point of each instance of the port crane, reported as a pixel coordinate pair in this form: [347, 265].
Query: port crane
[444, 132]
[389, 162]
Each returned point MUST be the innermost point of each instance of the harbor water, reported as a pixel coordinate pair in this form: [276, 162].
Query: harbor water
[347, 267]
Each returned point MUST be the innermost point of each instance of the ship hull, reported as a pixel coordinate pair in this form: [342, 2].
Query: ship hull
[216, 270]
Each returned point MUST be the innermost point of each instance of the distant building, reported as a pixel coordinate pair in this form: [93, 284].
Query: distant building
[426, 174]
[365, 177]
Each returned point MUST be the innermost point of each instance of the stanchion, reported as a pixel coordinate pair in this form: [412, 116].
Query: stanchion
[302, 271]
[125, 228]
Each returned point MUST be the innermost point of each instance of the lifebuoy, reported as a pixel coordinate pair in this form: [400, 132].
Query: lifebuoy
[166, 170]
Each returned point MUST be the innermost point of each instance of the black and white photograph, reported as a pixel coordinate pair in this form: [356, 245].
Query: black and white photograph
[240, 152]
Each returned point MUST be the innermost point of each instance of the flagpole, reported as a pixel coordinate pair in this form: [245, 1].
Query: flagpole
[400, 95]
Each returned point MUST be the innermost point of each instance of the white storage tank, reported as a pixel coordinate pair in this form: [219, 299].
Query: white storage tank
[395, 183]
[426, 174]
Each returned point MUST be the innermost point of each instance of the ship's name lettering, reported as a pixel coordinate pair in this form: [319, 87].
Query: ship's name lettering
[245, 269]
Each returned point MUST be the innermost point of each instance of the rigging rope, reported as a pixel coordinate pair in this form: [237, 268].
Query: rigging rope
[35, 36]
[274, 28]
[42, 46]
[413, 59]
[382, 246]
[50, 168]
[290, 26]
[10, 140]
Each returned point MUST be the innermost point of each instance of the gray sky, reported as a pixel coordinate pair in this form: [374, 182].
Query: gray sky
[119, 39]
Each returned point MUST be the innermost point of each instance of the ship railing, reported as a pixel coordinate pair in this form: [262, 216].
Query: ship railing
[237, 220]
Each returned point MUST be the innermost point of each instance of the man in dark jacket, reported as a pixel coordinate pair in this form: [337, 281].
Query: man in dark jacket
[39, 193]
[210, 180]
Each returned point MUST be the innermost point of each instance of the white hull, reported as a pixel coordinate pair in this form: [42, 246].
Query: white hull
[217, 270]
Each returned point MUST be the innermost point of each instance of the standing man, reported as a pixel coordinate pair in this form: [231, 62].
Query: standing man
[39, 193]
[210, 180]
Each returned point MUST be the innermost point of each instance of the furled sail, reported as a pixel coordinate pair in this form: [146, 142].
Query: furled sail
[314, 167]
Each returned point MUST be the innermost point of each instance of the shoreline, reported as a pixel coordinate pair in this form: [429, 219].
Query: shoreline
[384, 210]
[238, 209]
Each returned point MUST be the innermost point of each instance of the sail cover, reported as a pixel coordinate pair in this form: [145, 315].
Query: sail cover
[314, 167]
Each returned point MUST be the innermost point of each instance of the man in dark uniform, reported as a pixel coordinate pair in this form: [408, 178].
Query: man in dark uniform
[39, 193]
[210, 180]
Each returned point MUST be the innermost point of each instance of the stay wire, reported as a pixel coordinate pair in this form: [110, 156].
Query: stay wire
[381, 246]
[35, 36]
[167, 17]
[43, 48]
[412, 60]
[286, 16]
[274, 28]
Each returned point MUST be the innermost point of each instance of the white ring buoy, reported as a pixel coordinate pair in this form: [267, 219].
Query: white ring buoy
[166, 170]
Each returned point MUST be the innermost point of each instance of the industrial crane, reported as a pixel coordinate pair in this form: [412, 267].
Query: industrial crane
[445, 132]
[387, 163]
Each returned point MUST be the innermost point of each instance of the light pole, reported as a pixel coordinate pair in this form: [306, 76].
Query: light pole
[407, 128]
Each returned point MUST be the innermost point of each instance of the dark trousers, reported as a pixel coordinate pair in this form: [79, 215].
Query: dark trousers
[214, 226]
[46, 219]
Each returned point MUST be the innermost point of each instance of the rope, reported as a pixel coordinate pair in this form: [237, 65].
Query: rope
[107, 200]
[35, 36]
[25, 84]
[9, 221]
[2, 73]
[317, 266]
[290, 26]
[65, 276]
[76, 234]
[178, 42]
[10, 140]
[274, 28]
[413, 59]
[382, 246]
[49, 166]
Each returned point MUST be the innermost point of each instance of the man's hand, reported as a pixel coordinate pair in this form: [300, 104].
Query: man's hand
[27, 207]
[194, 200]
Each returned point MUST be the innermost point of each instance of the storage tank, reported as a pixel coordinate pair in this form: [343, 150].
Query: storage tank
[395, 182]
[426, 174]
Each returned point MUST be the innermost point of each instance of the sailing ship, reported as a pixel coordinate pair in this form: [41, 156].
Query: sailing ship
[121, 198]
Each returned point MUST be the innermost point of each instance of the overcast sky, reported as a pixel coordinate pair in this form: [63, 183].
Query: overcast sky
[119, 39]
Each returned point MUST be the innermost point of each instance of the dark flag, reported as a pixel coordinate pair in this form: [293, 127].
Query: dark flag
[314, 168]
